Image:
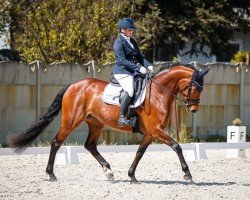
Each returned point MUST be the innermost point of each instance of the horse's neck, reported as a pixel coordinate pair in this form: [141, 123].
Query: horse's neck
[169, 79]
[167, 84]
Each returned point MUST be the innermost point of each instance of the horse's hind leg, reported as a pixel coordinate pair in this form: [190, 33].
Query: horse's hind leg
[55, 145]
[70, 120]
[95, 130]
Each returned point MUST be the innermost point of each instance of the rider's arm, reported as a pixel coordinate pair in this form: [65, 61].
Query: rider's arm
[121, 57]
[140, 56]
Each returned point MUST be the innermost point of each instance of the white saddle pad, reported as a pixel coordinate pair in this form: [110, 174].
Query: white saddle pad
[112, 94]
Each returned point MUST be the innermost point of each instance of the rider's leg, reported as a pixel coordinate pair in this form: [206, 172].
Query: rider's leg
[125, 101]
[127, 83]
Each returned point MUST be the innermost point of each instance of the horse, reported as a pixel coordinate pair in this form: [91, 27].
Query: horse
[82, 101]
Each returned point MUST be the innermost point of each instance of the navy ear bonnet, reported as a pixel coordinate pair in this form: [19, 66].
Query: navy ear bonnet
[198, 78]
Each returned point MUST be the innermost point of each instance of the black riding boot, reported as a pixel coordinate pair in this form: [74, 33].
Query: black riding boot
[124, 101]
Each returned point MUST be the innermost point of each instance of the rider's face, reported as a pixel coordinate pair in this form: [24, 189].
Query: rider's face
[128, 32]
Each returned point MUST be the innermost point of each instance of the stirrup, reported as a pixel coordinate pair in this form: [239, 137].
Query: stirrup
[124, 122]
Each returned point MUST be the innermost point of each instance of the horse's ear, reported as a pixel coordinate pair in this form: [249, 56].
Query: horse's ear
[205, 71]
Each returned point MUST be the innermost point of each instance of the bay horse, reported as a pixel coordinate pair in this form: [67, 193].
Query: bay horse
[82, 101]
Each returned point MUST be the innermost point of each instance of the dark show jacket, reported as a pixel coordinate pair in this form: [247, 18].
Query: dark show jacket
[128, 57]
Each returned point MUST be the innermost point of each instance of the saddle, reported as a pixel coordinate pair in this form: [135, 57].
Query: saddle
[113, 92]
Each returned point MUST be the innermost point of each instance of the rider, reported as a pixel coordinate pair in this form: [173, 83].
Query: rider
[129, 60]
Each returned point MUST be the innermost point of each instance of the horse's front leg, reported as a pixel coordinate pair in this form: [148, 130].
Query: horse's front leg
[176, 147]
[166, 139]
[146, 140]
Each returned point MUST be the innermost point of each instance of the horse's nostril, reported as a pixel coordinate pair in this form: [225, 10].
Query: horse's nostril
[193, 111]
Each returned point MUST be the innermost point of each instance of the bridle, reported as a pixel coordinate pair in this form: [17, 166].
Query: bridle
[188, 101]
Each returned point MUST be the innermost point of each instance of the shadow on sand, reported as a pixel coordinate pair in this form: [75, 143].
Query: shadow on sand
[177, 182]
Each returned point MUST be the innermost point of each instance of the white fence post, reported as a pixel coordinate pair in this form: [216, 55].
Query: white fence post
[72, 155]
[191, 155]
[200, 151]
[62, 156]
[67, 155]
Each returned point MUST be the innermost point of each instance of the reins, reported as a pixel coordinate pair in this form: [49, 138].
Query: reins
[186, 101]
[163, 88]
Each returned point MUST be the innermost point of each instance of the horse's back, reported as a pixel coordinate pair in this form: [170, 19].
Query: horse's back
[83, 94]
[89, 84]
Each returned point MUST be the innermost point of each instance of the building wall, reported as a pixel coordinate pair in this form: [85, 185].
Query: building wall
[245, 37]
[19, 99]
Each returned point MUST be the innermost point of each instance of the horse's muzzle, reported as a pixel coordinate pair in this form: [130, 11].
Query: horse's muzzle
[193, 108]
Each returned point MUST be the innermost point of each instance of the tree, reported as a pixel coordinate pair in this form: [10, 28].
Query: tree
[75, 31]
[5, 8]
[63, 30]
[83, 30]
[203, 23]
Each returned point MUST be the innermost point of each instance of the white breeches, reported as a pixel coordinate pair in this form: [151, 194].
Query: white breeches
[127, 83]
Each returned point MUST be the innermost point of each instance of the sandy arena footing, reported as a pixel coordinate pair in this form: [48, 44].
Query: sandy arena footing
[159, 173]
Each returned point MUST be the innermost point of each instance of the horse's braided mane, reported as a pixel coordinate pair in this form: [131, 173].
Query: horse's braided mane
[172, 65]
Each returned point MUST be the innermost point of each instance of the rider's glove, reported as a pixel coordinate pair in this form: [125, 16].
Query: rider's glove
[151, 69]
[143, 70]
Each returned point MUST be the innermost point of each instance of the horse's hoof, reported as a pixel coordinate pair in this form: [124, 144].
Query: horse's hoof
[110, 176]
[191, 182]
[134, 180]
[52, 178]
[188, 178]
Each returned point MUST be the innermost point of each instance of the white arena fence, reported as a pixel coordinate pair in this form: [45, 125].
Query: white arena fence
[69, 154]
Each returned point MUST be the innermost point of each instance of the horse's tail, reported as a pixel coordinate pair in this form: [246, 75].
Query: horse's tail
[21, 142]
